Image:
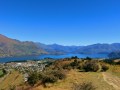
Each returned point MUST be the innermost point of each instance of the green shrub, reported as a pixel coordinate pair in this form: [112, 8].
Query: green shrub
[47, 76]
[118, 63]
[49, 79]
[104, 68]
[88, 58]
[90, 66]
[74, 57]
[33, 78]
[75, 64]
[84, 86]
[41, 75]
[67, 67]
[59, 74]
[3, 72]
[51, 76]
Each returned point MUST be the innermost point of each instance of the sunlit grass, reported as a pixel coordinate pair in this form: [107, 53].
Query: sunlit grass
[75, 76]
[115, 69]
[14, 78]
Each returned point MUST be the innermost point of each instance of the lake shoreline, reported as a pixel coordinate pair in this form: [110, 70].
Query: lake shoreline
[40, 57]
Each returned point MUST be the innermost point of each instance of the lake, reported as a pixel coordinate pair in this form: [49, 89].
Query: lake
[7, 59]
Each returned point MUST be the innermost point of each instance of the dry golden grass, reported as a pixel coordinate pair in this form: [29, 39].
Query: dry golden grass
[115, 69]
[73, 77]
[79, 77]
[14, 78]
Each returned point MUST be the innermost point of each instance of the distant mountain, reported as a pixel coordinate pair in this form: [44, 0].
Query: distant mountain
[99, 48]
[90, 49]
[114, 54]
[58, 49]
[11, 47]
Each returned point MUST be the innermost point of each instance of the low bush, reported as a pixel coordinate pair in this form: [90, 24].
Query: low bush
[51, 76]
[109, 61]
[74, 57]
[104, 67]
[49, 79]
[118, 63]
[47, 76]
[67, 67]
[75, 64]
[4, 72]
[59, 74]
[33, 78]
[90, 66]
[88, 58]
[84, 86]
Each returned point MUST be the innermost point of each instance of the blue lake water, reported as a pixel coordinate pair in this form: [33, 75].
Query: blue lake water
[7, 59]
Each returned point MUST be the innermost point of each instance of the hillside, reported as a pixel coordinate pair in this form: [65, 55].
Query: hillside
[90, 49]
[99, 48]
[11, 47]
[65, 75]
[114, 54]
[58, 49]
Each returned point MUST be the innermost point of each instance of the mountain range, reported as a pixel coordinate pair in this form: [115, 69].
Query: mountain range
[12, 47]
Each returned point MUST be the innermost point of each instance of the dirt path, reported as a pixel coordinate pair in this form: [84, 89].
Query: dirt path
[112, 80]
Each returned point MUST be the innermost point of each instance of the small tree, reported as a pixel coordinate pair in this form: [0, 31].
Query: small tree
[74, 57]
[88, 58]
[33, 78]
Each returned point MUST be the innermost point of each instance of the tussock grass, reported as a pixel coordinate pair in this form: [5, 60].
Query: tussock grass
[13, 79]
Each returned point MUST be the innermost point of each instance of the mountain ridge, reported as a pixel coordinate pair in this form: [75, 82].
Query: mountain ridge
[13, 47]
[90, 49]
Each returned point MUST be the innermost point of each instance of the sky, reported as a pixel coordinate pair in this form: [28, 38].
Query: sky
[65, 22]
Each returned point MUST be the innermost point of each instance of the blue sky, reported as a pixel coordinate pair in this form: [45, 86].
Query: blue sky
[66, 22]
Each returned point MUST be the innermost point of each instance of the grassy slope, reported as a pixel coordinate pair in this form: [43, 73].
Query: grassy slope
[115, 70]
[73, 76]
[79, 77]
[12, 79]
